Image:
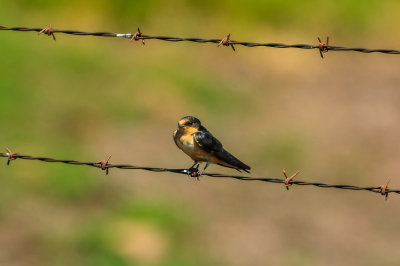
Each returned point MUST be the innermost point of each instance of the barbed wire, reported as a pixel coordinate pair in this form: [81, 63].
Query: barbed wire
[287, 181]
[322, 47]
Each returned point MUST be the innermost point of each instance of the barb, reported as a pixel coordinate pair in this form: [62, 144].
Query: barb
[323, 47]
[48, 31]
[289, 179]
[384, 190]
[137, 36]
[227, 42]
[11, 156]
[140, 36]
[104, 164]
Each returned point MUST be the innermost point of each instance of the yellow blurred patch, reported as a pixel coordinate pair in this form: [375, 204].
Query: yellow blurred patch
[140, 240]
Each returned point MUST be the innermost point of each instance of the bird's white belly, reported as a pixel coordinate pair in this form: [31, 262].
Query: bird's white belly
[187, 147]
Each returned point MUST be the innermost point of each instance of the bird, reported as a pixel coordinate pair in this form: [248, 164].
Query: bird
[200, 145]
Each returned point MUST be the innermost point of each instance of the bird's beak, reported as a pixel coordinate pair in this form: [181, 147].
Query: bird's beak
[180, 125]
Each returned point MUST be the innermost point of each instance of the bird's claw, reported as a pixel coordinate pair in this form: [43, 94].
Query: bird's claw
[199, 173]
[194, 172]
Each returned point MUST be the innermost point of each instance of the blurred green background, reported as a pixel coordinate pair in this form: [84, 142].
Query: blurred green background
[335, 120]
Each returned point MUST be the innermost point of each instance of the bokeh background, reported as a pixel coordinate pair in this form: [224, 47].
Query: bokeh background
[336, 120]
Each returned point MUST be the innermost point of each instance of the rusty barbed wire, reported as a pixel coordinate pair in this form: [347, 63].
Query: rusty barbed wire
[322, 48]
[287, 181]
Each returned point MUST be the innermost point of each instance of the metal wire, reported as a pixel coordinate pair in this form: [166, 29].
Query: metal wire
[106, 166]
[201, 40]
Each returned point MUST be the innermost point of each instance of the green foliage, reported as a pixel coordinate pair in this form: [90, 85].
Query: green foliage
[283, 151]
[74, 98]
[205, 91]
[167, 223]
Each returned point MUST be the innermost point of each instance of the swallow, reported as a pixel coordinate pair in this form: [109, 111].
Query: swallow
[200, 145]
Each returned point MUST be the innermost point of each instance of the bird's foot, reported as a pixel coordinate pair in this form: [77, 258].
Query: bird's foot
[194, 172]
[197, 174]
[200, 172]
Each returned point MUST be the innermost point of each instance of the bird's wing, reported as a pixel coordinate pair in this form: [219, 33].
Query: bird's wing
[210, 144]
[207, 141]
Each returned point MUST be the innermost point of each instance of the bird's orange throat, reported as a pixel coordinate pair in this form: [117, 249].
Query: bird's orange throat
[187, 130]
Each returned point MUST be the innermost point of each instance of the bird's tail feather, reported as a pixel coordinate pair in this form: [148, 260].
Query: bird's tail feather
[232, 162]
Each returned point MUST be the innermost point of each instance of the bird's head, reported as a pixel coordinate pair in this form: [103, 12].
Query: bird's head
[189, 121]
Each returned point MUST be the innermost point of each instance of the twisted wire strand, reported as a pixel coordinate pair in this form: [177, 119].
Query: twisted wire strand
[216, 175]
[201, 40]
